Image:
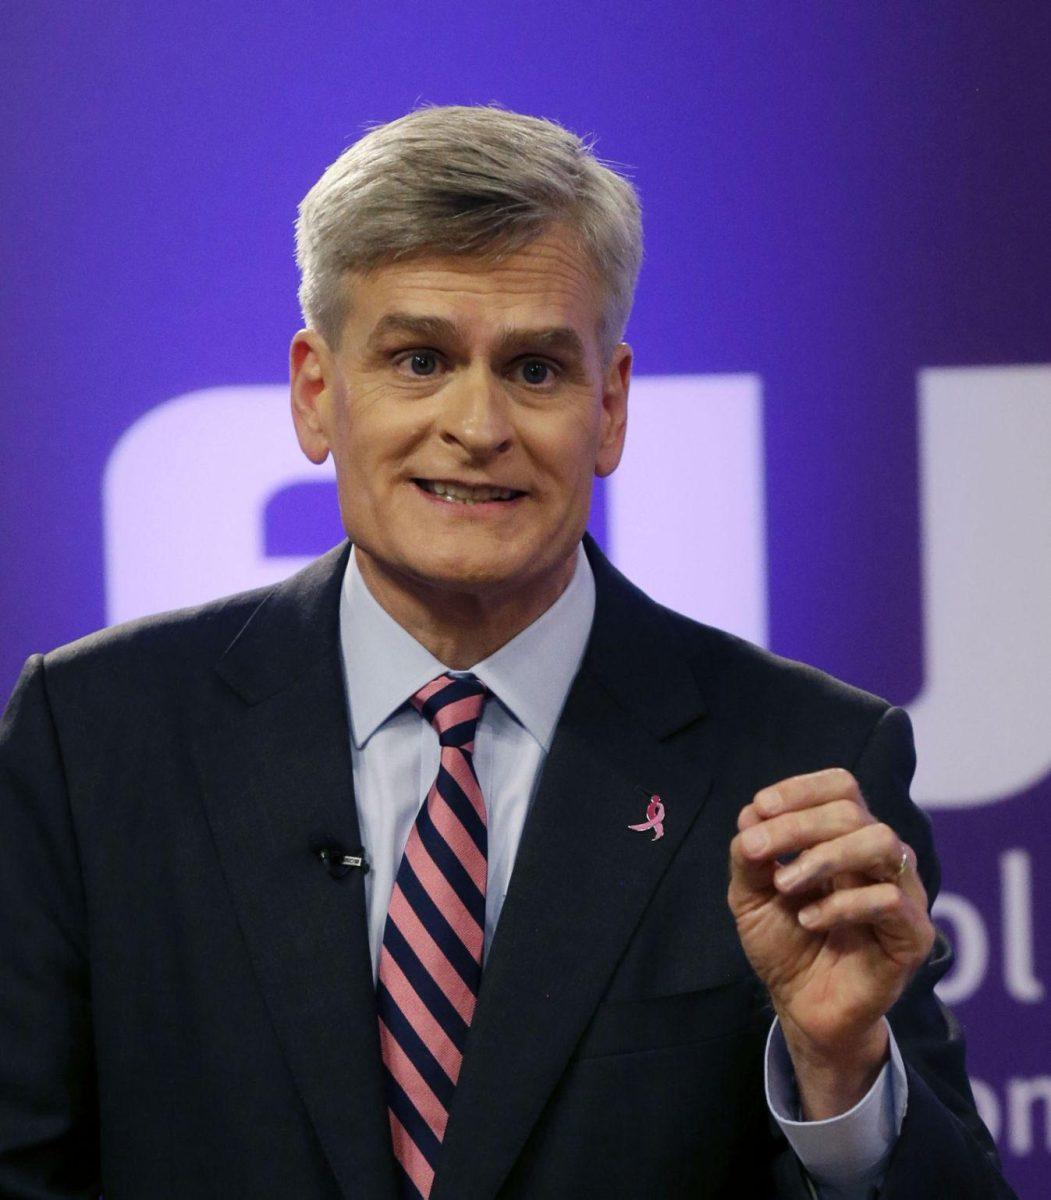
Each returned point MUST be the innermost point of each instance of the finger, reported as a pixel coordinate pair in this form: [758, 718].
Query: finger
[795, 831]
[882, 905]
[909, 880]
[747, 872]
[748, 816]
[807, 791]
[873, 851]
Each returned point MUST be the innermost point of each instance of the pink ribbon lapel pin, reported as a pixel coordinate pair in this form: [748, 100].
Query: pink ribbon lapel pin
[654, 818]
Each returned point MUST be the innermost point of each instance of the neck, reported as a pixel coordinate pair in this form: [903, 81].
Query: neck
[460, 627]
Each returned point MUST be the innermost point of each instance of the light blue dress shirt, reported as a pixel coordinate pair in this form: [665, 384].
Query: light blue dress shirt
[394, 757]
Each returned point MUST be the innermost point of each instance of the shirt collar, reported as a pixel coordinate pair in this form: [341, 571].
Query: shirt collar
[530, 675]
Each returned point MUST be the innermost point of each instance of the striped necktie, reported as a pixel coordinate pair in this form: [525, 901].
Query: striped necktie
[431, 959]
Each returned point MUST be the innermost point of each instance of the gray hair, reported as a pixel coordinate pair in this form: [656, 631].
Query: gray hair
[462, 181]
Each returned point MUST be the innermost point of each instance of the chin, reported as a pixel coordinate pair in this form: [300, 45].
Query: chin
[474, 569]
[459, 572]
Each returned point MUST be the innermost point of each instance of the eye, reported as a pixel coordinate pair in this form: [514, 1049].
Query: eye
[417, 364]
[422, 362]
[536, 371]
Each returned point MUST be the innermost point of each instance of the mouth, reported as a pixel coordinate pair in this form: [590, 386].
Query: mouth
[453, 492]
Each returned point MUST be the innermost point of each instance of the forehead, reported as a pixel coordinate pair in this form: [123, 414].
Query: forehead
[547, 282]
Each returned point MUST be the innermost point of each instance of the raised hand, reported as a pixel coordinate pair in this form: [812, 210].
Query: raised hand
[833, 918]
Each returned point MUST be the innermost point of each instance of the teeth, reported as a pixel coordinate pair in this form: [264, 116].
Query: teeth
[455, 493]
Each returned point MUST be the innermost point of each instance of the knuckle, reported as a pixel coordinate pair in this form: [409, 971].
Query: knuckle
[819, 862]
[887, 840]
[847, 814]
[781, 830]
[791, 789]
[844, 783]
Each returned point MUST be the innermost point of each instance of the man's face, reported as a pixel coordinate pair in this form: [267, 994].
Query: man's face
[468, 410]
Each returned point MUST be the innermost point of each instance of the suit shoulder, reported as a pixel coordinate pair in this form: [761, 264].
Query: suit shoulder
[160, 658]
[167, 639]
[749, 674]
[787, 718]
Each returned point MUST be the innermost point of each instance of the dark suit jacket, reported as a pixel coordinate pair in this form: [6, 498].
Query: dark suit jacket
[187, 1005]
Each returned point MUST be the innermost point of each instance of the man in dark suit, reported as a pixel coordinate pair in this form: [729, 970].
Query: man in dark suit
[541, 987]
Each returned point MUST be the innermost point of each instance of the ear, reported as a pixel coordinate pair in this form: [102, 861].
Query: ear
[311, 371]
[614, 419]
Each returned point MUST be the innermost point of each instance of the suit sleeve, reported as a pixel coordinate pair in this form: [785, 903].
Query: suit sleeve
[943, 1148]
[48, 1109]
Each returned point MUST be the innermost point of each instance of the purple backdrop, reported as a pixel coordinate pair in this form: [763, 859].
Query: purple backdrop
[836, 198]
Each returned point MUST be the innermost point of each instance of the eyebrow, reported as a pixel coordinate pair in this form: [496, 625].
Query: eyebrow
[432, 329]
[550, 339]
[556, 339]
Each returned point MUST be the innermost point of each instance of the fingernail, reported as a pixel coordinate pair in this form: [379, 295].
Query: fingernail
[808, 916]
[755, 839]
[787, 876]
[771, 802]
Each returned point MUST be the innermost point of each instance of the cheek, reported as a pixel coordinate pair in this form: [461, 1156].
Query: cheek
[562, 438]
[568, 454]
[376, 443]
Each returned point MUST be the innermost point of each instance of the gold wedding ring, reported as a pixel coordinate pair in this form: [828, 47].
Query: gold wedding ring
[901, 867]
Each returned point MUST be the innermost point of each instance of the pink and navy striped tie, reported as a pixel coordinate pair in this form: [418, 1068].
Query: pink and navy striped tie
[431, 958]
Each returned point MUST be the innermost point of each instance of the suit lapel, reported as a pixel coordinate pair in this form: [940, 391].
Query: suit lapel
[278, 786]
[582, 878]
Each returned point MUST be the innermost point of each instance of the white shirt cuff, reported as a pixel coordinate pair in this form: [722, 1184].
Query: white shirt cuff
[845, 1155]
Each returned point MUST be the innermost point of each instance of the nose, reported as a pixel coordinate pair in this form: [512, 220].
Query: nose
[474, 415]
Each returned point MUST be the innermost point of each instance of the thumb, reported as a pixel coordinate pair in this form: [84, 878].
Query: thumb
[749, 874]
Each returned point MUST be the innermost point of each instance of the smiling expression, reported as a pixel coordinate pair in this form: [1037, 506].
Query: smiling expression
[467, 409]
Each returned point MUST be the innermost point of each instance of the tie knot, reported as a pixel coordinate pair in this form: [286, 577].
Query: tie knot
[453, 706]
